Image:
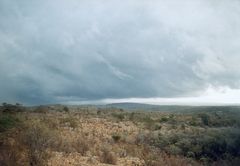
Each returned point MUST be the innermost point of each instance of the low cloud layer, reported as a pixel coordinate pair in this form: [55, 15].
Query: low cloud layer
[76, 50]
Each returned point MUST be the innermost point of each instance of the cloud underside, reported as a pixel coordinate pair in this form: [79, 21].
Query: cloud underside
[71, 50]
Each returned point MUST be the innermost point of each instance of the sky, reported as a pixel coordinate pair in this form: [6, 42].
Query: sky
[102, 51]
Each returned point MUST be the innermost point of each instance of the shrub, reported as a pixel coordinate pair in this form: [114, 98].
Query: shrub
[42, 109]
[65, 109]
[72, 122]
[116, 138]
[37, 137]
[149, 122]
[7, 122]
[183, 126]
[163, 141]
[9, 155]
[118, 116]
[157, 158]
[131, 116]
[64, 146]
[205, 119]
[143, 138]
[193, 122]
[82, 145]
[174, 138]
[163, 119]
[190, 154]
[10, 108]
[174, 150]
[107, 156]
[157, 127]
[50, 122]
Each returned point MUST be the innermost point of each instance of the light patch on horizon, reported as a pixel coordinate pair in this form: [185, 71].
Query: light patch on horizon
[212, 96]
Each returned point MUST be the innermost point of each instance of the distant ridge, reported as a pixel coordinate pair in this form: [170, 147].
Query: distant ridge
[133, 106]
[167, 108]
[147, 107]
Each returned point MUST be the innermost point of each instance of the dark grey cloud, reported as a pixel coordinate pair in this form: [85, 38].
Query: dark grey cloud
[76, 50]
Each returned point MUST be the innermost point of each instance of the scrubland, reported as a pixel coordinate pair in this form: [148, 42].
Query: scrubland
[60, 135]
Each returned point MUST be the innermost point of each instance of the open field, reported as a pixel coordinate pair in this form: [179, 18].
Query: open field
[87, 135]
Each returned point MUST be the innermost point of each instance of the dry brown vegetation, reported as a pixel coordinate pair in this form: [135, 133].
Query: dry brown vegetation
[58, 135]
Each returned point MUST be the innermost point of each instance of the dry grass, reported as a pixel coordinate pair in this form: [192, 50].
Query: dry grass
[69, 121]
[9, 155]
[95, 137]
[154, 157]
[82, 145]
[37, 137]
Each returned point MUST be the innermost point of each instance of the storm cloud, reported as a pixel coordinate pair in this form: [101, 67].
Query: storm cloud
[55, 51]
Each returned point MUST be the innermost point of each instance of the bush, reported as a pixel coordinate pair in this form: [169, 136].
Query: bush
[172, 149]
[65, 146]
[108, 157]
[143, 138]
[118, 116]
[10, 108]
[10, 155]
[82, 145]
[116, 138]
[193, 122]
[157, 158]
[205, 119]
[131, 116]
[157, 127]
[42, 109]
[160, 141]
[72, 122]
[148, 122]
[7, 122]
[65, 109]
[37, 138]
[163, 119]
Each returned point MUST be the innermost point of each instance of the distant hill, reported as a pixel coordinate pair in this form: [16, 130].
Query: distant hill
[132, 106]
[168, 108]
[147, 107]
